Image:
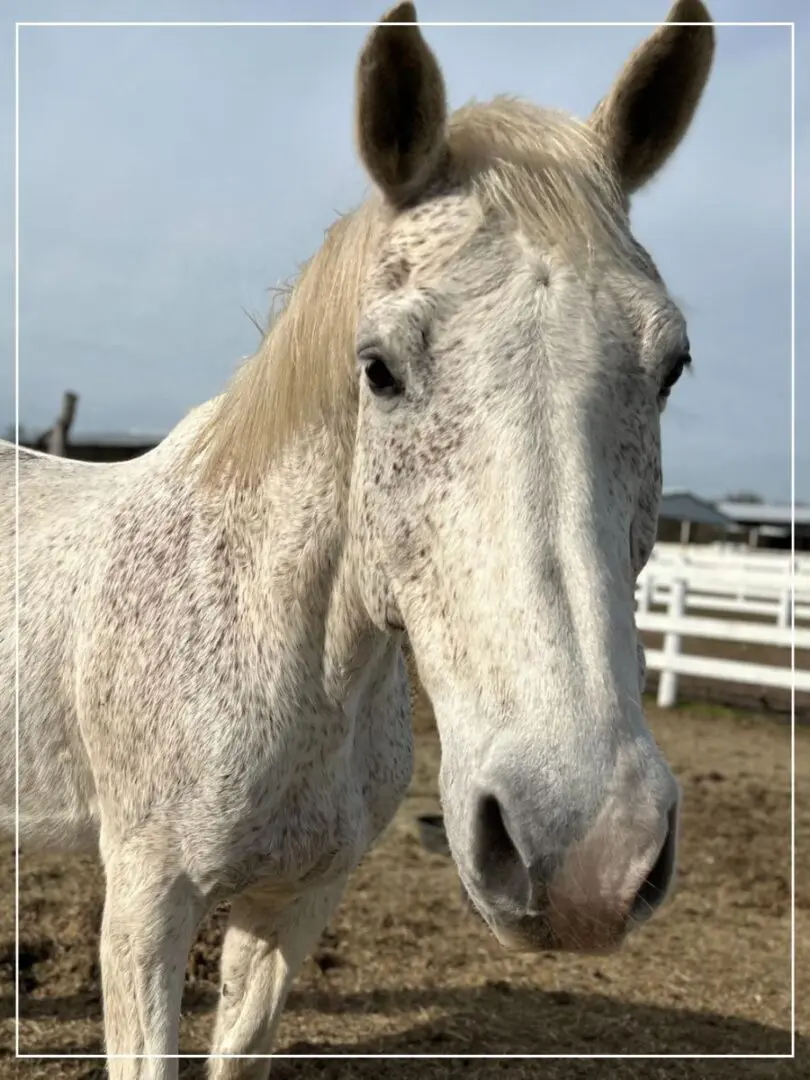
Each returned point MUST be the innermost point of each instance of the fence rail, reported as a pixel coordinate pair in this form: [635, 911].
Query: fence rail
[730, 556]
[760, 594]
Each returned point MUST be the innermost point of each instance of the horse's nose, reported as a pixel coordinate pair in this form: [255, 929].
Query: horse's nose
[586, 892]
[611, 881]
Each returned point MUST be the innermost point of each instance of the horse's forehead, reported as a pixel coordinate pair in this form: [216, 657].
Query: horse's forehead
[443, 214]
[422, 238]
[449, 242]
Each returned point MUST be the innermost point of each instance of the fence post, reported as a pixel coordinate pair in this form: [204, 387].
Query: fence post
[741, 589]
[668, 679]
[57, 437]
[645, 593]
[784, 610]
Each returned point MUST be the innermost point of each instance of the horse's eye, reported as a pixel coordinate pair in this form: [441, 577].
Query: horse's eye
[674, 372]
[380, 380]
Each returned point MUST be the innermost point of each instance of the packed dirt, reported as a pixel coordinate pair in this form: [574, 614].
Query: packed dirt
[403, 969]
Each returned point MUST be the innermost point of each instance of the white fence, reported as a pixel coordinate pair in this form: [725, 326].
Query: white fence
[759, 593]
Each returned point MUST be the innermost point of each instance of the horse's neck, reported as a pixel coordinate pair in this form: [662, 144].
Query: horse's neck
[298, 564]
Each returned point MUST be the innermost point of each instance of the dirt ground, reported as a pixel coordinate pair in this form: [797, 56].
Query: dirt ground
[404, 969]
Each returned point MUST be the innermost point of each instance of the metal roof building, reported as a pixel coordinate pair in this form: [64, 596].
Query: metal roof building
[688, 509]
[678, 504]
[770, 522]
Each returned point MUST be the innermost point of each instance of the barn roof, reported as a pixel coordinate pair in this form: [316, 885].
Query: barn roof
[764, 513]
[681, 505]
[124, 439]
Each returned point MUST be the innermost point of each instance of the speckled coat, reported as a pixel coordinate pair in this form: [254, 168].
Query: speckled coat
[450, 432]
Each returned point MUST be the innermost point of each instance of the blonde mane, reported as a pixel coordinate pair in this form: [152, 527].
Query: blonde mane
[545, 170]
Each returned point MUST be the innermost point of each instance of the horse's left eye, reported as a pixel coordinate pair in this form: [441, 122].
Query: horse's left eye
[674, 372]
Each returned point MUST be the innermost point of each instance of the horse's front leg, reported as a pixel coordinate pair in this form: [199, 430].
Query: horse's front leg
[264, 948]
[151, 915]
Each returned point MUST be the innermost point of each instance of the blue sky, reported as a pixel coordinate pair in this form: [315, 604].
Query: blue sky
[170, 177]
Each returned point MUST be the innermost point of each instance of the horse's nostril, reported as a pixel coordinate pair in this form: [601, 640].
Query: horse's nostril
[496, 855]
[655, 885]
[492, 831]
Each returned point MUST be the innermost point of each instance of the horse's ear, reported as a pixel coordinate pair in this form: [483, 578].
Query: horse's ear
[651, 104]
[401, 107]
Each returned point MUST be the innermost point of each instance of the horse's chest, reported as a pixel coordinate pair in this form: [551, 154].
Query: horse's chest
[312, 817]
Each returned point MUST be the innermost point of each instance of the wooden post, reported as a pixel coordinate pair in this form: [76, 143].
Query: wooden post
[57, 440]
[668, 679]
[785, 610]
[645, 593]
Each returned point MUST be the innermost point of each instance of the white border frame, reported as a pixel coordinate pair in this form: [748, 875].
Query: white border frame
[367, 25]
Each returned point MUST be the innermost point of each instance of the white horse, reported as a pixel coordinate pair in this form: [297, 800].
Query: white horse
[451, 432]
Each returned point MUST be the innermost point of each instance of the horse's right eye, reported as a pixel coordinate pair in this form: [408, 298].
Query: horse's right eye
[380, 380]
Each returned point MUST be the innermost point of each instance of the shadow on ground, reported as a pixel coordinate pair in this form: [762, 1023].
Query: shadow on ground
[522, 1021]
